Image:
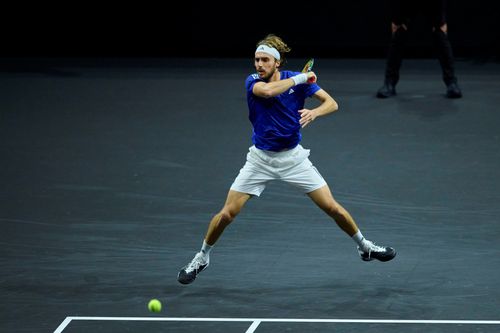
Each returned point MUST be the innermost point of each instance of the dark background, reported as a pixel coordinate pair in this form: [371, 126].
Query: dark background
[335, 29]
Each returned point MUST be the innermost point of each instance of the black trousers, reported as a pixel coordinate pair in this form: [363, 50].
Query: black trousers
[405, 12]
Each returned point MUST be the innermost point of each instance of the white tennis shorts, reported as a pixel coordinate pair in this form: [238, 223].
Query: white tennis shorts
[291, 166]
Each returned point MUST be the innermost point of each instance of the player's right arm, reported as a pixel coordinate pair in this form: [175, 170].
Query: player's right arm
[274, 88]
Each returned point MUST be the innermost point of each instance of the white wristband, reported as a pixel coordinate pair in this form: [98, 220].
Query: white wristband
[299, 78]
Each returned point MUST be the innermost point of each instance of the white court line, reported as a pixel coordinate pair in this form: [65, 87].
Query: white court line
[63, 325]
[253, 327]
[296, 320]
[292, 320]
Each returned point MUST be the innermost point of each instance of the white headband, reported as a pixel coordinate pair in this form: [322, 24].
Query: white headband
[269, 50]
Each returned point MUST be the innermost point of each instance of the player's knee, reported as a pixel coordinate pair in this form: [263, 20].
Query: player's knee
[335, 210]
[226, 217]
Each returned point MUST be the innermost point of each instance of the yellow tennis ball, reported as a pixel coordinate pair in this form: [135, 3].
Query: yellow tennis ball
[154, 305]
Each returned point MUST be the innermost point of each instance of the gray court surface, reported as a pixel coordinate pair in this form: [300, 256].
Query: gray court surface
[110, 170]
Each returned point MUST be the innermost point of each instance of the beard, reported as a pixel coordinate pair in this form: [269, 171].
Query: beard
[267, 76]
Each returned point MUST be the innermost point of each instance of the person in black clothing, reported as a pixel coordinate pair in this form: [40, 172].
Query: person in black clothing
[402, 13]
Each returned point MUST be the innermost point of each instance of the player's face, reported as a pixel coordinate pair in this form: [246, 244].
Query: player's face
[265, 65]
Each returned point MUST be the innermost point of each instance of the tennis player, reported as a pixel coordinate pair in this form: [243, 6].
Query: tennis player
[276, 101]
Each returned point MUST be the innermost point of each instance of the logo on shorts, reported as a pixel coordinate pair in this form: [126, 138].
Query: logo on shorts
[291, 91]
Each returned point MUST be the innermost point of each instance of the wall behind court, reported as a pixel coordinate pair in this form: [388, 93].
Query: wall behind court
[334, 29]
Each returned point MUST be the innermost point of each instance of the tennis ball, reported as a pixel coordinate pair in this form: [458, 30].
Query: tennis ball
[154, 305]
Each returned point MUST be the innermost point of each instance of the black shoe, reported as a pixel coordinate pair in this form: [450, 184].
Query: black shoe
[189, 272]
[376, 252]
[387, 90]
[453, 91]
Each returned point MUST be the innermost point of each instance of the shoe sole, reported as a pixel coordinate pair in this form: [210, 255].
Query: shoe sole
[382, 260]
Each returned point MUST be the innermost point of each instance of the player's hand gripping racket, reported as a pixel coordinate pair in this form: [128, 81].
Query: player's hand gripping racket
[307, 68]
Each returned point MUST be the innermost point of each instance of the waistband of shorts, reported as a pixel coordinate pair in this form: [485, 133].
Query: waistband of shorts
[273, 152]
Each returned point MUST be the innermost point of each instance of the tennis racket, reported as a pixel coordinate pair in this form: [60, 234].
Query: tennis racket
[307, 68]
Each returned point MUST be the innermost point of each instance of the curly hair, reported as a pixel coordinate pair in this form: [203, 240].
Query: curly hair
[276, 42]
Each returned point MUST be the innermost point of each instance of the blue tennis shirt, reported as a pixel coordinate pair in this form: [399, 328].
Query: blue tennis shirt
[275, 120]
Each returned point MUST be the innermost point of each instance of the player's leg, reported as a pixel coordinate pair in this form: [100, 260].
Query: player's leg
[233, 205]
[307, 178]
[251, 181]
[323, 198]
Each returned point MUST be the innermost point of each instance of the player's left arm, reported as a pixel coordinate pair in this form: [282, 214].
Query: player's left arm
[327, 105]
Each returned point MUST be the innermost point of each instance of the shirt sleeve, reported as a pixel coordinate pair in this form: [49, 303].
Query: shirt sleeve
[251, 80]
[311, 89]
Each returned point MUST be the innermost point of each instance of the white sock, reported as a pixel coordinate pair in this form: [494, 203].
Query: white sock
[205, 249]
[360, 240]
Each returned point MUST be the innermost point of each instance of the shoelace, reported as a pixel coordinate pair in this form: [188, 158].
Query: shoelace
[195, 263]
[375, 248]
